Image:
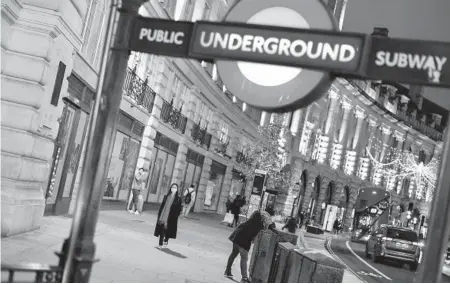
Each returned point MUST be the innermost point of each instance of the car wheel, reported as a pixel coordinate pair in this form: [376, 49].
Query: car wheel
[413, 266]
[367, 251]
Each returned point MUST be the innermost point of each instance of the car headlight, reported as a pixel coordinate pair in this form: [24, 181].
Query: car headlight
[421, 244]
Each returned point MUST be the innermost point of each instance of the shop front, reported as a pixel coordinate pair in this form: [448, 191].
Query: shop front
[123, 161]
[214, 186]
[161, 170]
[193, 171]
[69, 146]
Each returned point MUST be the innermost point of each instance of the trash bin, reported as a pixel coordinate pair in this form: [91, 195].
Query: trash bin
[306, 266]
[264, 251]
[280, 262]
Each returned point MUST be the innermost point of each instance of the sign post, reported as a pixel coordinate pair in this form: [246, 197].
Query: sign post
[430, 270]
[78, 250]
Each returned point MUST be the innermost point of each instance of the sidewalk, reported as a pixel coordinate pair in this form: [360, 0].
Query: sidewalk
[127, 250]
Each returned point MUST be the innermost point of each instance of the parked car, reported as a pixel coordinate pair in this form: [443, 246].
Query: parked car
[395, 243]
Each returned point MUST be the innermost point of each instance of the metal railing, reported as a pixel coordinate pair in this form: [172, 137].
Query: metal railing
[201, 136]
[241, 158]
[42, 273]
[173, 117]
[138, 90]
[401, 115]
[222, 148]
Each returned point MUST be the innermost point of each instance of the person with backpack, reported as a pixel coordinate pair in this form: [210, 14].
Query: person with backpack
[188, 200]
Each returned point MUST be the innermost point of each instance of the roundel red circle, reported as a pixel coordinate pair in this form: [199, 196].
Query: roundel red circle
[287, 88]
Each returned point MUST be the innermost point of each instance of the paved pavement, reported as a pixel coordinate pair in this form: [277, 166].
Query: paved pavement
[127, 250]
[353, 255]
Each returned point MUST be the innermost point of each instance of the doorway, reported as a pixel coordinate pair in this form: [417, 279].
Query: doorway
[67, 154]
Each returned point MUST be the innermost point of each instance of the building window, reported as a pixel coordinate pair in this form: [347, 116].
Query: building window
[94, 30]
[206, 12]
[203, 114]
[223, 132]
[183, 10]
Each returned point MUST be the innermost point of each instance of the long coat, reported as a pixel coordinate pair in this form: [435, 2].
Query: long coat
[244, 234]
[172, 221]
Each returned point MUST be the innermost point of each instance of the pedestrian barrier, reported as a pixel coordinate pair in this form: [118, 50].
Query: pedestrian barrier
[306, 266]
[23, 273]
[279, 267]
[263, 253]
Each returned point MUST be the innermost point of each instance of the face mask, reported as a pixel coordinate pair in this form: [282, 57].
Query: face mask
[173, 189]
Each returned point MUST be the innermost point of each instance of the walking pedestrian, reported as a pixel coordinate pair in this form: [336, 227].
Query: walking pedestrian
[167, 222]
[188, 200]
[137, 187]
[302, 219]
[336, 226]
[242, 239]
[291, 227]
[236, 206]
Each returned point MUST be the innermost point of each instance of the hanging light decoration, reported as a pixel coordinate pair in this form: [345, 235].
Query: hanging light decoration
[423, 176]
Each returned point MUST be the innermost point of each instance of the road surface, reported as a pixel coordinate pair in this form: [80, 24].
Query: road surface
[353, 255]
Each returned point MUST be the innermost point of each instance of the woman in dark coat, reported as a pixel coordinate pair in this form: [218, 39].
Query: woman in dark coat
[242, 239]
[170, 210]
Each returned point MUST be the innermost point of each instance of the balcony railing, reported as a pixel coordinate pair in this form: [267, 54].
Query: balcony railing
[222, 148]
[401, 115]
[138, 90]
[201, 136]
[242, 158]
[173, 117]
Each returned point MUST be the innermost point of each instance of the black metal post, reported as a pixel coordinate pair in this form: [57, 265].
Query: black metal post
[430, 269]
[78, 250]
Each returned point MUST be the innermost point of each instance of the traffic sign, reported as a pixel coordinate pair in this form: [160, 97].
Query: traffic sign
[261, 48]
[160, 36]
[411, 61]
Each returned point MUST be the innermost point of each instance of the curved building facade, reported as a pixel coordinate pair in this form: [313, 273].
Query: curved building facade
[340, 143]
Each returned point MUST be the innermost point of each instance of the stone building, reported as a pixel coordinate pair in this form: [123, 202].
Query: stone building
[338, 140]
[177, 121]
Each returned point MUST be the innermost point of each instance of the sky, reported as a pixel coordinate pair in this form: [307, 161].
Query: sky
[412, 19]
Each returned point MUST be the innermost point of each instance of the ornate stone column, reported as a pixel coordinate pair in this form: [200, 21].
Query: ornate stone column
[180, 162]
[360, 116]
[265, 118]
[324, 183]
[386, 130]
[309, 189]
[332, 113]
[348, 219]
[353, 150]
[295, 125]
[204, 177]
[347, 106]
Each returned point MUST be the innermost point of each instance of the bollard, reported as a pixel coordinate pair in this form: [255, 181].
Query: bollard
[264, 251]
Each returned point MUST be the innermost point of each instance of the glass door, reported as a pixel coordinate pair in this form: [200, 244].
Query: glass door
[157, 175]
[71, 164]
[115, 167]
[130, 152]
[60, 154]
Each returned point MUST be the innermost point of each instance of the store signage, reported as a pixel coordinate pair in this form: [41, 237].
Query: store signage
[275, 87]
[409, 61]
[281, 46]
[158, 36]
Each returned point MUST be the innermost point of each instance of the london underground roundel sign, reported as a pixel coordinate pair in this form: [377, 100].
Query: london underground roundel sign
[273, 87]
